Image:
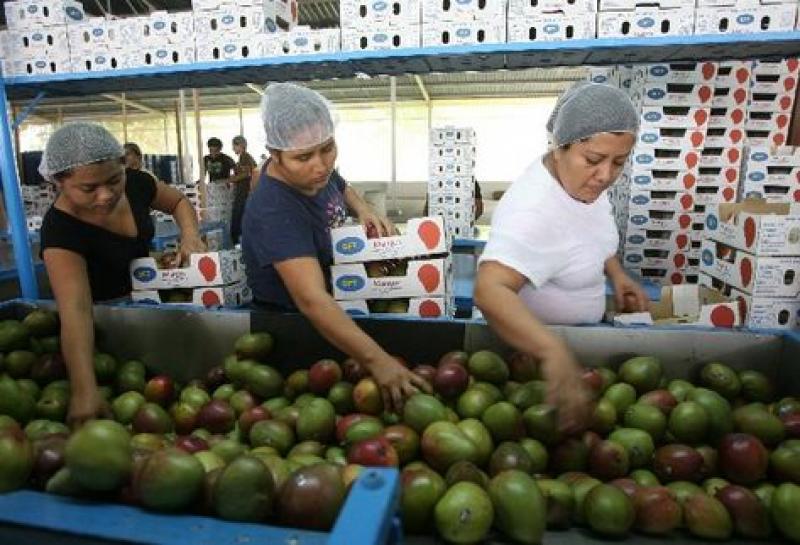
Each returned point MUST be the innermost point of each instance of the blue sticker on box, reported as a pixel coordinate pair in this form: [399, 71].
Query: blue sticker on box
[759, 156]
[350, 246]
[708, 257]
[636, 239]
[640, 200]
[649, 138]
[756, 176]
[656, 94]
[652, 116]
[551, 28]
[639, 220]
[634, 258]
[463, 32]
[745, 19]
[659, 70]
[144, 274]
[646, 22]
[350, 282]
[379, 6]
[711, 222]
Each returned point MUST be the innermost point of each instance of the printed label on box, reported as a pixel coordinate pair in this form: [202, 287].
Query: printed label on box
[674, 117]
[424, 236]
[423, 278]
[762, 276]
[645, 22]
[208, 269]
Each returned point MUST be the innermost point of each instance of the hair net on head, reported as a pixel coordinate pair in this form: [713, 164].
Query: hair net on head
[295, 117]
[587, 109]
[77, 144]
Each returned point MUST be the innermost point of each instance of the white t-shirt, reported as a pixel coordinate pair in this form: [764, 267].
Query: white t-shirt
[558, 243]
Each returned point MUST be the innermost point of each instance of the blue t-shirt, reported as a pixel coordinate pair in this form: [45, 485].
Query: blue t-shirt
[281, 223]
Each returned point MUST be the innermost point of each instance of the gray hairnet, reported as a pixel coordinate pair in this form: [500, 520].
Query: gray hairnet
[295, 117]
[77, 144]
[587, 109]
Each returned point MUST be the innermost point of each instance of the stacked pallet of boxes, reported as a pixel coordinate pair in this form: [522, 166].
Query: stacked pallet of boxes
[772, 92]
[375, 275]
[744, 16]
[370, 25]
[37, 39]
[211, 279]
[662, 223]
[465, 22]
[218, 201]
[772, 174]
[228, 30]
[451, 182]
[547, 20]
[37, 200]
[644, 18]
[751, 254]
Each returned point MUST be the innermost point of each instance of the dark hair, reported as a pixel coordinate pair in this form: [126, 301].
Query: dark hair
[214, 142]
[133, 148]
[239, 141]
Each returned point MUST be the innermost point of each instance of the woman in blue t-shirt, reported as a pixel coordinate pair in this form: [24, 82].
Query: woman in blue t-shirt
[286, 239]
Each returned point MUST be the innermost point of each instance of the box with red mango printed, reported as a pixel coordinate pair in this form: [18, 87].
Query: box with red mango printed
[204, 270]
[422, 237]
[233, 295]
[421, 278]
[418, 307]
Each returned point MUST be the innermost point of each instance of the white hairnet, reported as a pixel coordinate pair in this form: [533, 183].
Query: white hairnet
[587, 109]
[295, 117]
[77, 144]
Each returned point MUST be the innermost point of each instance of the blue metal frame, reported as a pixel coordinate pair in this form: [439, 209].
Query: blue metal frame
[14, 207]
[366, 519]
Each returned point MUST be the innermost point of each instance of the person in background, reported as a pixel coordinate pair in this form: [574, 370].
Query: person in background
[554, 241]
[216, 164]
[241, 181]
[99, 222]
[133, 158]
[286, 239]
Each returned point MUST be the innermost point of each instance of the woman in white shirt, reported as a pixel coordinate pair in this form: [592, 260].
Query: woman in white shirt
[554, 241]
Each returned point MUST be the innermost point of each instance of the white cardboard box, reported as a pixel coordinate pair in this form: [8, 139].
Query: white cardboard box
[524, 8]
[663, 219]
[678, 72]
[436, 11]
[48, 63]
[208, 269]
[661, 179]
[679, 240]
[786, 156]
[774, 83]
[676, 94]
[363, 14]
[552, 26]
[176, 28]
[27, 43]
[227, 47]
[99, 61]
[667, 200]
[423, 236]
[424, 278]
[645, 22]
[242, 21]
[381, 38]
[769, 174]
[772, 193]
[740, 3]
[721, 157]
[733, 73]
[759, 312]
[756, 227]
[167, 55]
[32, 14]
[676, 117]
[729, 97]
[718, 175]
[91, 33]
[672, 276]
[725, 118]
[653, 157]
[231, 296]
[770, 102]
[278, 15]
[418, 307]
[463, 33]
[449, 135]
[302, 40]
[724, 137]
[777, 18]
[629, 5]
[715, 194]
[638, 257]
[779, 66]
[687, 305]
[450, 170]
[464, 153]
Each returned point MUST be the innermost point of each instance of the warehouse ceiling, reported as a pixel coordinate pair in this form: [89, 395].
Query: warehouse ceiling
[317, 13]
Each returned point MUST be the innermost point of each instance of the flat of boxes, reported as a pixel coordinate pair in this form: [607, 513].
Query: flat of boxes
[451, 182]
[751, 253]
[211, 279]
[372, 26]
[772, 174]
[404, 274]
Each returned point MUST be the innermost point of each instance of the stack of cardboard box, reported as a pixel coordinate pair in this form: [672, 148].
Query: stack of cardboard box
[644, 18]
[218, 201]
[368, 25]
[37, 200]
[660, 223]
[375, 275]
[465, 22]
[744, 16]
[228, 30]
[769, 110]
[772, 174]
[548, 20]
[751, 254]
[451, 182]
[37, 39]
[212, 279]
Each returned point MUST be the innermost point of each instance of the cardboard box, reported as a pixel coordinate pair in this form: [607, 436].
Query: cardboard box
[715, 194]
[231, 296]
[654, 258]
[760, 276]
[664, 137]
[689, 305]
[678, 72]
[227, 47]
[778, 18]
[33, 14]
[645, 22]
[662, 179]
[208, 269]
[718, 176]
[302, 40]
[756, 227]
[766, 173]
[424, 278]
[776, 66]
[363, 14]
[176, 28]
[551, 27]
[668, 276]
[520, 9]
[721, 157]
[450, 135]
[774, 83]
[418, 307]
[677, 94]
[167, 55]
[381, 38]
[782, 156]
[772, 193]
[724, 137]
[667, 200]
[242, 21]
[25, 43]
[452, 185]
[726, 118]
[733, 73]
[100, 61]
[759, 312]
[450, 201]
[770, 102]
[40, 65]
[740, 3]
[675, 117]
[678, 240]
[453, 214]
[423, 236]
[464, 153]
[730, 97]
[628, 5]
[437, 11]
[663, 219]
[92, 33]
[665, 158]
[278, 15]
[463, 33]
[604, 74]
[450, 170]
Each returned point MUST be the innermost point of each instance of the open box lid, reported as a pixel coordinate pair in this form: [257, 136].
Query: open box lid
[687, 304]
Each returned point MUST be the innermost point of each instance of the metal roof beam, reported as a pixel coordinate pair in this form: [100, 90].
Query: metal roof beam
[255, 88]
[422, 89]
[133, 104]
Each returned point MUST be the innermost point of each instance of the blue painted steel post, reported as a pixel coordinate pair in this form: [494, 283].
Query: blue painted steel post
[368, 516]
[13, 201]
